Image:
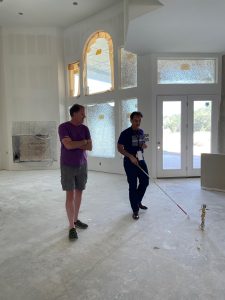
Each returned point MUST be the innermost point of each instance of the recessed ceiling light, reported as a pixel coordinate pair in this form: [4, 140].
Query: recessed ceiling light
[75, 3]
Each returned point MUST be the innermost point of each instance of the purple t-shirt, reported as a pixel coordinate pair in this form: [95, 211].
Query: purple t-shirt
[73, 157]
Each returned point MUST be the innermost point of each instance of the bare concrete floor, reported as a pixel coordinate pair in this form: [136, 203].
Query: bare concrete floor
[163, 255]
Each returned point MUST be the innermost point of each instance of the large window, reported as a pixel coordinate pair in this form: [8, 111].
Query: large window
[101, 122]
[74, 79]
[186, 71]
[98, 64]
[128, 63]
[128, 106]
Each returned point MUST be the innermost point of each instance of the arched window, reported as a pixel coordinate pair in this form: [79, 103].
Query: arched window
[98, 64]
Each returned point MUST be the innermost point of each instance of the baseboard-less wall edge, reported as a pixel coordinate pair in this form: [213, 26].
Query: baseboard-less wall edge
[212, 189]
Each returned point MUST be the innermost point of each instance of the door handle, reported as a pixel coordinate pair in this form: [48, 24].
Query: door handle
[158, 145]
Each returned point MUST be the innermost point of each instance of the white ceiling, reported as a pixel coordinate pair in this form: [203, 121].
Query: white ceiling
[180, 26]
[60, 13]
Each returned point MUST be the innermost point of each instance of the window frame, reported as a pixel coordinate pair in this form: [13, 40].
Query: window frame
[71, 87]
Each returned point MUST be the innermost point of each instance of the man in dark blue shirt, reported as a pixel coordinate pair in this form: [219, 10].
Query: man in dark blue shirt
[131, 144]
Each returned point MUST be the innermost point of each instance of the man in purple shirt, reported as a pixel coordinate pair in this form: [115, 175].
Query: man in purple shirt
[75, 140]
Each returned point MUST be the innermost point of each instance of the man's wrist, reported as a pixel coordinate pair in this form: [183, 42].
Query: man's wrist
[129, 155]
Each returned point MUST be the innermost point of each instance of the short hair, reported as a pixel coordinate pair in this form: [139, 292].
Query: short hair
[75, 108]
[136, 113]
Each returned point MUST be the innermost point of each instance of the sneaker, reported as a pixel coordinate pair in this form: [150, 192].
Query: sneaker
[142, 206]
[73, 234]
[135, 216]
[80, 224]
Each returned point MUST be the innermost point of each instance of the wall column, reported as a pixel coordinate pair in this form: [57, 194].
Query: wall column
[222, 111]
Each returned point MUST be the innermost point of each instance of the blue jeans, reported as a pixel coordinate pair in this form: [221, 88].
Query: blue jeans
[136, 193]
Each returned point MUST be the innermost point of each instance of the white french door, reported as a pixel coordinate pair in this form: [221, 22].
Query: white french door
[186, 127]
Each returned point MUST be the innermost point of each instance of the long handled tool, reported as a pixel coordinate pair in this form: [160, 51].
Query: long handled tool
[164, 192]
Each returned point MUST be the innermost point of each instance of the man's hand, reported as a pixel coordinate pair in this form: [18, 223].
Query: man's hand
[144, 146]
[87, 145]
[133, 160]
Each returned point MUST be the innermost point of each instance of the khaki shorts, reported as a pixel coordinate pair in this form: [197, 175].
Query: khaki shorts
[73, 177]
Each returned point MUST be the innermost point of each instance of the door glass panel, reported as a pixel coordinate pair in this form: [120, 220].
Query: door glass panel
[101, 123]
[171, 135]
[128, 106]
[201, 130]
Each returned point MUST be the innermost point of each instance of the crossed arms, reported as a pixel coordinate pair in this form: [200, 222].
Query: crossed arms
[83, 144]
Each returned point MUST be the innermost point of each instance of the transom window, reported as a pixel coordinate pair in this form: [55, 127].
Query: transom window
[186, 71]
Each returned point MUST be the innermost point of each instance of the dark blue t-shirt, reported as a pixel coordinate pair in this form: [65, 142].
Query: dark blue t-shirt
[132, 140]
